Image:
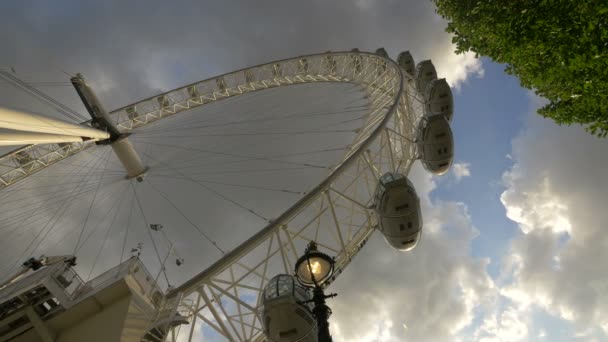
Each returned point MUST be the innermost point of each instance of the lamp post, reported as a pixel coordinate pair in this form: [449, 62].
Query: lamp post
[313, 269]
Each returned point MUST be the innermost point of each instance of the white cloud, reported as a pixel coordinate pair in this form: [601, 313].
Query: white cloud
[461, 170]
[456, 69]
[556, 193]
[507, 326]
[434, 290]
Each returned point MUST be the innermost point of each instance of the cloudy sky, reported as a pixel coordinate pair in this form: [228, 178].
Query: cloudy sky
[513, 247]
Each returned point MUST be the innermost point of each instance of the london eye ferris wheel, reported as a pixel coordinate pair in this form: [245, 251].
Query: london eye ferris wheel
[220, 185]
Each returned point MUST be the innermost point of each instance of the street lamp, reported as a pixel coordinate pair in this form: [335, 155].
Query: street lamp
[313, 269]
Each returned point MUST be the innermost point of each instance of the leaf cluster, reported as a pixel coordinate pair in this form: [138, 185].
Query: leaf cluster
[558, 48]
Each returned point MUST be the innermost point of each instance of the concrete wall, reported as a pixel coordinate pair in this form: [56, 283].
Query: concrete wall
[105, 326]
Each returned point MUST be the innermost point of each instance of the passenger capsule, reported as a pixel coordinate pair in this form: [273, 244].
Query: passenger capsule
[439, 99]
[406, 61]
[382, 52]
[285, 317]
[435, 143]
[398, 209]
[425, 73]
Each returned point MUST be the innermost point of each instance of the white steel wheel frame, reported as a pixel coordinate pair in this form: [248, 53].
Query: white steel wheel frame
[336, 213]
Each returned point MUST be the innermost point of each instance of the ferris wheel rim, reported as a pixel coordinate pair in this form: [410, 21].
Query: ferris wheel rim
[329, 53]
[351, 154]
[320, 187]
[74, 148]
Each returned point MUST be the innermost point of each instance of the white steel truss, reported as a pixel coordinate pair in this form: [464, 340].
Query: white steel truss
[337, 213]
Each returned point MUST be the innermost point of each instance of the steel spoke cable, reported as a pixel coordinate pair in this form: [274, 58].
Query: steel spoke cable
[264, 119]
[62, 175]
[147, 229]
[94, 229]
[36, 212]
[107, 233]
[250, 158]
[243, 171]
[217, 193]
[63, 109]
[95, 191]
[124, 242]
[246, 158]
[114, 162]
[6, 252]
[243, 121]
[247, 171]
[67, 236]
[292, 133]
[233, 155]
[84, 183]
[45, 229]
[205, 236]
[239, 156]
[55, 200]
[218, 106]
[58, 189]
[45, 196]
[40, 83]
[61, 165]
[89, 211]
[244, 186]
[55, 184]
[265, 107]
[15, 81]
[233, 167]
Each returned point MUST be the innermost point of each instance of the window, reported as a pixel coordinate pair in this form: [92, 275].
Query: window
[401, 207]
[289, 332]
[401, 227]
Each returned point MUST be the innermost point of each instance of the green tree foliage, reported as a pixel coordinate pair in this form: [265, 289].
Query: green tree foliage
[559, 48]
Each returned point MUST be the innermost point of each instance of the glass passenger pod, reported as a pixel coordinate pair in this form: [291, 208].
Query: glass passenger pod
[220, 83]
[131, 112]
[382, 53]
[284, 315]
[330, 64]
[439, 99]
[398, 210]
[406, 62]
[303, 66]
[163, 101]
[425, 73]
[435, 143]
[193, 93]
[356, 62]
